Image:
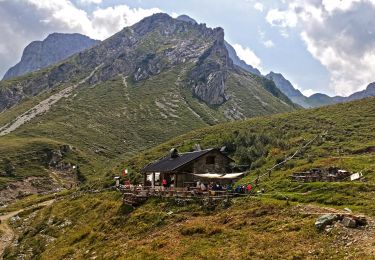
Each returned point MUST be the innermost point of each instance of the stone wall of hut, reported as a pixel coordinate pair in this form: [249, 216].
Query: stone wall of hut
[214, 162]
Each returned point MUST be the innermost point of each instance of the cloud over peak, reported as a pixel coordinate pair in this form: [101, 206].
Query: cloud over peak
[24, 21]
[247, 55]
[339, 34]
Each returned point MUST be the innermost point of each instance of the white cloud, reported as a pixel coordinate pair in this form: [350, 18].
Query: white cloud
[175, 15]
[108, 21]
[281, 18]
[259, 6]
[308, 92]
[247, 55]
[264, 41]
[338, 34]
[90, 1]
[100, 24]
[268, 44]
[24, 21]
[332, 5]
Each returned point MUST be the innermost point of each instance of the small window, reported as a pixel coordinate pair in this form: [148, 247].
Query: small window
[210, 160]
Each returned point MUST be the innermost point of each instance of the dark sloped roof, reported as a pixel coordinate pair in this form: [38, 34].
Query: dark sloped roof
[168, 164]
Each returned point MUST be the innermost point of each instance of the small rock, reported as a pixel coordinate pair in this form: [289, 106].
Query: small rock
[15, 218]
[328, 230]
[348, 210]
[349, 222]
[325, 220]
[170, 213]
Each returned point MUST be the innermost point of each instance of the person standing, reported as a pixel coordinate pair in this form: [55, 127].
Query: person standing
[249, 188]
[164, 183]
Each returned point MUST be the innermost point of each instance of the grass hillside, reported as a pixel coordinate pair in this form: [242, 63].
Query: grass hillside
[180, 78]
[97, 225]
[348, 142]
[118, 118]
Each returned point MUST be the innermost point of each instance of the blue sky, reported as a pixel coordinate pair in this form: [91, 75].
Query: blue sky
[319, 45]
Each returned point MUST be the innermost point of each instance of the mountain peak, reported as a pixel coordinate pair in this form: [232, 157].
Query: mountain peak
[186, 18]
[55, 47]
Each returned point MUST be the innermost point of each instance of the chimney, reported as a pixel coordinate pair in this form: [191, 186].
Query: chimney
[224, 150]
[197, 147]
[173, 153]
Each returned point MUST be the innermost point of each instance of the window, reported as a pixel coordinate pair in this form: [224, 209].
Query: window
[210, 160]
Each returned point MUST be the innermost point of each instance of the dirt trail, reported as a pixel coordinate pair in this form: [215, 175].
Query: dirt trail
[42, 107]
[6, 232]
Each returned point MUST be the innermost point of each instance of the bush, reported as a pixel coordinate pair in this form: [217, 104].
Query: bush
[189, 231]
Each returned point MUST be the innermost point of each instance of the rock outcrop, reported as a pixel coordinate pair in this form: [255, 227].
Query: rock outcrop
[141, 51]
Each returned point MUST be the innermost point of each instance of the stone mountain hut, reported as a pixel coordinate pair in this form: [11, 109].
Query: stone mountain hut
[184, 169]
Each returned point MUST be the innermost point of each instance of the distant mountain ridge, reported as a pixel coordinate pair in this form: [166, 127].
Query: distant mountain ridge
[317, 99]
[287, 88]
[56, 47]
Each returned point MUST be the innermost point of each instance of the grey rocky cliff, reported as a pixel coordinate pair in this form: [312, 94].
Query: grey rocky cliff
[141, 51]
[41, 54]
[186, 18]
[209, 76]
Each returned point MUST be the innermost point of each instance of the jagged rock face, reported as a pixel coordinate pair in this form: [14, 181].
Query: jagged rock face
[141, 51]
[56, 47]
[186, 18]
[209, 76]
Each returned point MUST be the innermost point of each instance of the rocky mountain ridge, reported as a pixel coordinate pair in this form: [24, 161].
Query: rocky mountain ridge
[56, 47]
[288, 89]
[317, 99]
[155, 44]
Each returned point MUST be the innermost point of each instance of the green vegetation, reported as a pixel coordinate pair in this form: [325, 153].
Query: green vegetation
[85, 225]
[98, 225]
[110, 121]
[262, 142]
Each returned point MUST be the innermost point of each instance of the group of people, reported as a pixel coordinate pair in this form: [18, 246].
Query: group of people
[243, 189]
[240, 189]
[210, 186]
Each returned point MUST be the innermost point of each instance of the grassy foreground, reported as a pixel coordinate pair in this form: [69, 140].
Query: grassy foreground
[99, 226]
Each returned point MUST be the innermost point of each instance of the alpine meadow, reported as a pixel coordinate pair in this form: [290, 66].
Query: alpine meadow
[129, 130]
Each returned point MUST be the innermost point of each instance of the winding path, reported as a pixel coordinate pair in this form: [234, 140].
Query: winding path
[6, 232]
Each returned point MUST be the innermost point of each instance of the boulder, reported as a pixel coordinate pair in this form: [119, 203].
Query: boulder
[325, 220]
[349, 222]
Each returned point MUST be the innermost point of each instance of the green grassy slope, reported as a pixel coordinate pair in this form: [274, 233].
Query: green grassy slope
[118, 118]
[98, 225]
[262, 142]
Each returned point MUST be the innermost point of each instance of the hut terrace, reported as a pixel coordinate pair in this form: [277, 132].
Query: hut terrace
[177, 175]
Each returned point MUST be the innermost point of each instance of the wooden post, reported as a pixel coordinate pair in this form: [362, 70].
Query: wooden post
[153, 180]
